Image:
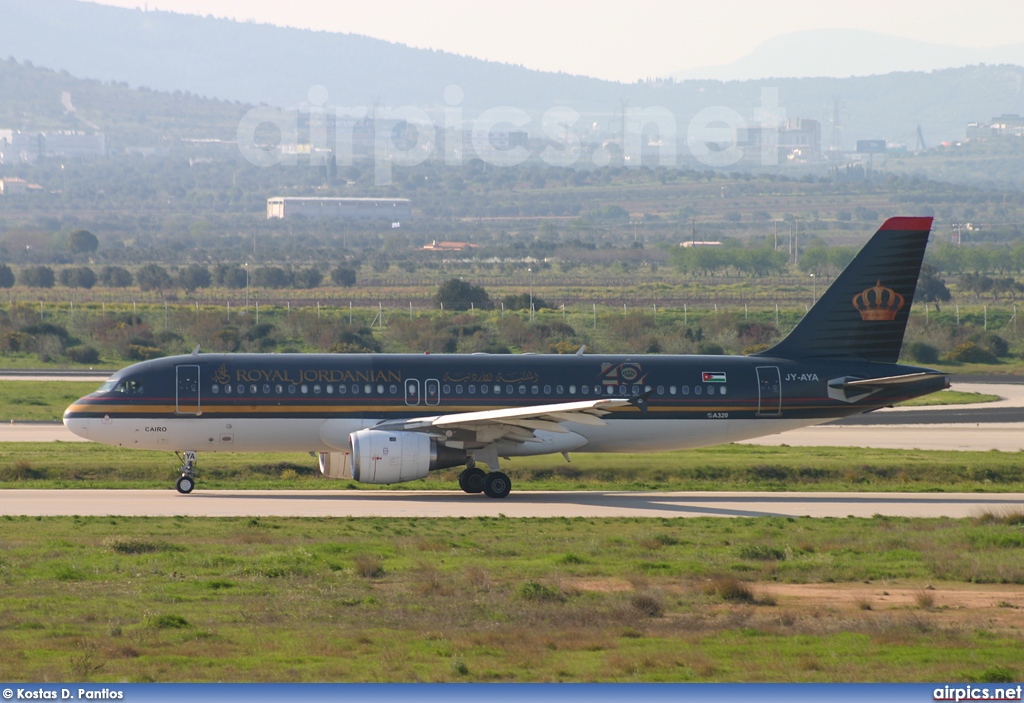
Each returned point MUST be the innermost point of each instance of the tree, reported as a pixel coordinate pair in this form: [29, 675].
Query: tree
[153, 277]
[78, 277]
[115, 277]
[522, 302]
[456, 294]
[82, 241]
[6, 276]
[931, 288]
[194, 276]
[272, 277]
[230, 276]
[37, 277]
[307, 278]
[344, 277]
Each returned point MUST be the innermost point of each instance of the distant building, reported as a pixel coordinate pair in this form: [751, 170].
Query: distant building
[391, 209]
[74, 145]
[449, 246]
[1002, 126]
[17, 146]
[13, 186]
[687, 245]
[797, 139]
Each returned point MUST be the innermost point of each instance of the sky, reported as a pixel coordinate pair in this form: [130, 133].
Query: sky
[622, 41]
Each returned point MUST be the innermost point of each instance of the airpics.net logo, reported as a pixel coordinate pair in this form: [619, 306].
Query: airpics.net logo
[408, 136]
[978, 693]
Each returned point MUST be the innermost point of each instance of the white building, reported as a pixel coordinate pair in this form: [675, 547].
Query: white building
[74, 145]
[391, 209]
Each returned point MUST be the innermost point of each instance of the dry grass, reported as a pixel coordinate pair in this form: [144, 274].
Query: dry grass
[925, 599]
[369, 566]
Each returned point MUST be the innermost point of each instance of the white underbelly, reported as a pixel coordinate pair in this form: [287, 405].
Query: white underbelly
[669, 435]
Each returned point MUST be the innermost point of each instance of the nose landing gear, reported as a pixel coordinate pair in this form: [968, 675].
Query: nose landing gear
[187, 481]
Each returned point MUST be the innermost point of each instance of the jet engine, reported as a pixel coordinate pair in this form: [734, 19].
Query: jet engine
[379, 456]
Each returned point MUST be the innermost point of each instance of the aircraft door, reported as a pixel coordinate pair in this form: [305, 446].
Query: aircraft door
[188, 391]
[432, 391]
[412, 391]
[769, 391]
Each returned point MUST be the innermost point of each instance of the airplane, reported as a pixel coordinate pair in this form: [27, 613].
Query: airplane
[390, 418]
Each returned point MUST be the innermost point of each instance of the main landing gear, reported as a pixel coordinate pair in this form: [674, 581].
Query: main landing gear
[187, 481]
[494, 484]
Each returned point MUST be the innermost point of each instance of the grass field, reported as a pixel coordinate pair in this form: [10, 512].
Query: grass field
[951, 398]
[725, 467]
[495, 599]
[40, 401]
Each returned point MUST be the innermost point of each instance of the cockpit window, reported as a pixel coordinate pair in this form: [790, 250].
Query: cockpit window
[108, 386]
[129, 386]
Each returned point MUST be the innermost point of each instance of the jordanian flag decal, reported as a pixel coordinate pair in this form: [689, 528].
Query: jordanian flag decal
[714, 376]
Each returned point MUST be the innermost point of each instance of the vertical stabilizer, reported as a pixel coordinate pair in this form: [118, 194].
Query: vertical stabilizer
[864, 313]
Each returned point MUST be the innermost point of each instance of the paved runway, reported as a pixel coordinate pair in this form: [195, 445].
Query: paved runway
[520, 504]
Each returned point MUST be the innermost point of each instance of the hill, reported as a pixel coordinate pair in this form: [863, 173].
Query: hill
[255, 64]
[37, 99]
[840, 53]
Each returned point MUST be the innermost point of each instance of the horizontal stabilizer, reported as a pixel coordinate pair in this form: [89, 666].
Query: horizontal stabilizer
[886, 381]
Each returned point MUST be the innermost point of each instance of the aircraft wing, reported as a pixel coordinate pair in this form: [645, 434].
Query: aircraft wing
[516, 424]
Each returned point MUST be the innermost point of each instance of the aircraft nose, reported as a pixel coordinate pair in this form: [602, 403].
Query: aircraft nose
[77, 425]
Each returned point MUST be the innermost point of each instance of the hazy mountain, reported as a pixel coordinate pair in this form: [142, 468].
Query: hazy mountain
[255, 64]
[839, 53]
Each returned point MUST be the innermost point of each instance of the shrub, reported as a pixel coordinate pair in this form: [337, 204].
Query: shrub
[991, 341]
[369, 566]
[83, 355]
[922, 353]
[531, 590]
[647, 604]
[970, 353]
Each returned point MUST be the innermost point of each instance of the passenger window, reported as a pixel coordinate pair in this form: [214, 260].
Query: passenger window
[304, 388]
[458, 389]
[355, 389]
[661, 390]
[368, 389]
[240, 389]
[342, 388]
[266, 389]
[291, 388]
[698, 390]
[215, 389]
[472, 390]
[535, 389]
[685, 390]
[572, 390]
[227, 389]
[721, 390]
[559, 390]
[547, 390]
[330, 389]
[586, 390]
[522, 390]
[394, 389]
[447, 390]
[497, 389]
[316, 389]
[672, 390]
[380, 389]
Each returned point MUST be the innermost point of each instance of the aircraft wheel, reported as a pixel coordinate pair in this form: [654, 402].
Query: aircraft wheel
[497, 485]
[185, 484]
[472, 480]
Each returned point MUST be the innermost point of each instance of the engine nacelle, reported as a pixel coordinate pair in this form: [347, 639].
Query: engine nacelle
[379, 456]
[336, 464]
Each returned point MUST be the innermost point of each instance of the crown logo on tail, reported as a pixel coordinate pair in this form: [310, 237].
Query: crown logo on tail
[878, 303]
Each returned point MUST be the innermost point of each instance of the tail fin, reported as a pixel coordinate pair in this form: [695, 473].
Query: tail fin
[864, 313]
